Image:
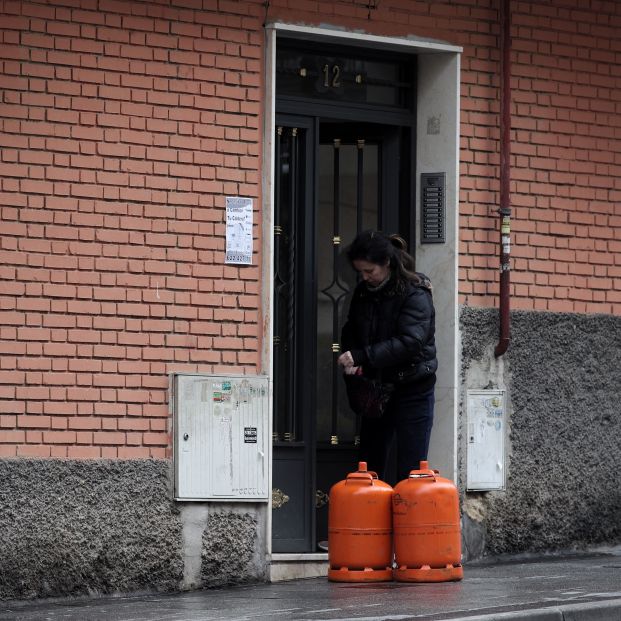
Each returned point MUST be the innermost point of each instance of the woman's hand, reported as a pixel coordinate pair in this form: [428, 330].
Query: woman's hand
[346, 360]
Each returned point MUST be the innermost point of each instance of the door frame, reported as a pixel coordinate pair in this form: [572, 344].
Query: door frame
[437, 149]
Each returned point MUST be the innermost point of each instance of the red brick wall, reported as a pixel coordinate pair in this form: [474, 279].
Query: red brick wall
[566, 161]
[124, 126]
[566, 120]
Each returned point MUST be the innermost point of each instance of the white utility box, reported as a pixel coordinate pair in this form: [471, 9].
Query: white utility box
[221, 437]
[486, 440]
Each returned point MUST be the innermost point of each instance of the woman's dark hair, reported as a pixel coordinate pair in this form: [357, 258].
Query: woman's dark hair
[378, 247]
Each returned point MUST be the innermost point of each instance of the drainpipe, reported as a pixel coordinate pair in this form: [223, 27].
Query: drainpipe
[505, 152]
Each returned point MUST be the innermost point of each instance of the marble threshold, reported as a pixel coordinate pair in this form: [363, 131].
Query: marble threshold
[298, 565]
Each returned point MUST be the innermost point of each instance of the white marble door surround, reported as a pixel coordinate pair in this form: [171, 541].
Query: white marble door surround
[437, 150]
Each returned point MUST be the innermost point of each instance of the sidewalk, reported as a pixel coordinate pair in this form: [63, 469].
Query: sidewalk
[569, 588]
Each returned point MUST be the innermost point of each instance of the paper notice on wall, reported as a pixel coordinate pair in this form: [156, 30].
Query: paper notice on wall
[238, 230]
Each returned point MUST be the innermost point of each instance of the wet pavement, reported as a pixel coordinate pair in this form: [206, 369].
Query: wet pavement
[576, 588]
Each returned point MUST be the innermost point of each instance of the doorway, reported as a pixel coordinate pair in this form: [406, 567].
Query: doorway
[349, 135]
[333, 178]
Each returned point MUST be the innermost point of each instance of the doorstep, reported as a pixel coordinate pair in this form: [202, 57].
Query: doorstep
[296, 566]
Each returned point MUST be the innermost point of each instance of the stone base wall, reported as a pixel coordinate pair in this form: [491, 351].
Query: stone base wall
[563, 382]
[70, 528]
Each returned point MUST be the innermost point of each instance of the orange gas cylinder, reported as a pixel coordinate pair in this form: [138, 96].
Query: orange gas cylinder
[360, 528]
[425, 513]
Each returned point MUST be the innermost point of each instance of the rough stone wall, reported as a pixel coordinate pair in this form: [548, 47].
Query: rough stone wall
[224, 543]
[84, 527]
[562, 378]
[70, 528]
[227, 551]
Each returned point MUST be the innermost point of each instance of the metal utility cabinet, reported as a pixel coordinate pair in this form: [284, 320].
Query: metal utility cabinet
[221, 437]
[486, 440]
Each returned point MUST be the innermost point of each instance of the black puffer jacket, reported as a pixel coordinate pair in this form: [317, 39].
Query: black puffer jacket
[391, 332]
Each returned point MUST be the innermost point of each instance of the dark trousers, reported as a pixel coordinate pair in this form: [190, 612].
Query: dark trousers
[409, 418]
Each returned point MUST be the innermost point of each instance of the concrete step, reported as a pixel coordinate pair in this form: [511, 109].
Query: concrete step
[295, 566]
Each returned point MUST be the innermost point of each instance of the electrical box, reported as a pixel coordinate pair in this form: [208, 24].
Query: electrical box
[432, 201]
[221, 437]
[486, 440]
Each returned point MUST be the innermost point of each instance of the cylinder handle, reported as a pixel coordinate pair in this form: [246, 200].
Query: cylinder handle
[424, 472]
[362, 474]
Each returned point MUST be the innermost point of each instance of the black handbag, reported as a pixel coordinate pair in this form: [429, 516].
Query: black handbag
[367, 397]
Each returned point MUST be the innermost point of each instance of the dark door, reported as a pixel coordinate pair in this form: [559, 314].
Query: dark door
[294, 321]
[333, 179]
[343, 163]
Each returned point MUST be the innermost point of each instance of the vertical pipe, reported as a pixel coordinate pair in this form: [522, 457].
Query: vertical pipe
[505, 154]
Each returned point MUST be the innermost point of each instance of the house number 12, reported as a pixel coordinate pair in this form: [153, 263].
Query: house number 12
[331, 76]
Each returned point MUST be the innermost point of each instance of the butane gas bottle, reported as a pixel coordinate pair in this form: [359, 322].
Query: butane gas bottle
[360, 528]
[427, 534]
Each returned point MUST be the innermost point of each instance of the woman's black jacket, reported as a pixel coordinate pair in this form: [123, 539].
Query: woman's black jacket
[391, 332]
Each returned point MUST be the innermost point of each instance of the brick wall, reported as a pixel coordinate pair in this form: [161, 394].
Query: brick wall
[124, 126]
[566, 151]
[566, 161]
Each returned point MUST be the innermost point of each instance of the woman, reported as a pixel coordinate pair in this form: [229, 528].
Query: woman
[389, 335]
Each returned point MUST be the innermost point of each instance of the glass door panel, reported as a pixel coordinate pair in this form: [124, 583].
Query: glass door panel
[348, 202]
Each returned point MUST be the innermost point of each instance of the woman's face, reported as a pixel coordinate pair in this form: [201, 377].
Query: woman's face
[372, 273]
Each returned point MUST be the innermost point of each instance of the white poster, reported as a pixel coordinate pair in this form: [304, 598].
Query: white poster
[238, 230]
